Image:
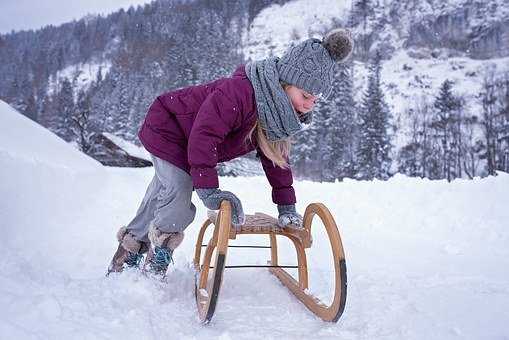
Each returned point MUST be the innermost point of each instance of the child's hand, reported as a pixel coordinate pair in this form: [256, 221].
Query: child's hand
[289, 216]
[212, 200]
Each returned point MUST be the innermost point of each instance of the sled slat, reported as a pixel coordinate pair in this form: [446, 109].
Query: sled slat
[261, 223]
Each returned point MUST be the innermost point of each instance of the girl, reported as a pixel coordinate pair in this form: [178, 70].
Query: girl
[189, 130]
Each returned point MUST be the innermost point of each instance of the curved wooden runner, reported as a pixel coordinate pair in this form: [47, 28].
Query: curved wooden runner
[208, 280]
[207, 289]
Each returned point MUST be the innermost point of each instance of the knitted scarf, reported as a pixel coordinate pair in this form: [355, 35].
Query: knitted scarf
[275, 111]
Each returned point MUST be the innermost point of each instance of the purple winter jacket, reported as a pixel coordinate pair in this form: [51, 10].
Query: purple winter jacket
[196, 127]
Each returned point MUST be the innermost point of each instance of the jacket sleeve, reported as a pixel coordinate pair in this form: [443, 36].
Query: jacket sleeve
[217, 116]
[280, 179]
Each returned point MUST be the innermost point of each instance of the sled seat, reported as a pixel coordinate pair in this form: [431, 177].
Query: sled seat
[208, 278]
[261, 223]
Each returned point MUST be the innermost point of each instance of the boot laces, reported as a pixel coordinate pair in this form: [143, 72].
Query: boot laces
[133, 259]
[162, 258]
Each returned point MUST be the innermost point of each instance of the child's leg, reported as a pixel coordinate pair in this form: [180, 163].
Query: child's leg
[165, 211]
[167, 202]
[174, 210]
[133, 240]
[139, 225]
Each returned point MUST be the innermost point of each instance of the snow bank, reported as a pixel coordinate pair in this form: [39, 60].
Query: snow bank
[24, 139]
[41, 177]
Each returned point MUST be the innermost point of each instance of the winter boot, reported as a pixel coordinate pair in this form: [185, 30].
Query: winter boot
[129, 252]
[161, 250]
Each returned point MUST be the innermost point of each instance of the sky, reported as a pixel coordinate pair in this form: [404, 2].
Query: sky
[33, 14]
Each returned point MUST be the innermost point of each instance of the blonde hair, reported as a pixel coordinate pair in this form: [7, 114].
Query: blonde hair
[276, 151]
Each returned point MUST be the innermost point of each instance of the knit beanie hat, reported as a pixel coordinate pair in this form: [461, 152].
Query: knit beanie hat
[309, 65]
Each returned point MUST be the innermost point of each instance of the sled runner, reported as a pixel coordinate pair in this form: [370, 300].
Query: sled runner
[210, 269]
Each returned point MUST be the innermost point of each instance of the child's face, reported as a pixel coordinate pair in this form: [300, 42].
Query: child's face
[302, 101]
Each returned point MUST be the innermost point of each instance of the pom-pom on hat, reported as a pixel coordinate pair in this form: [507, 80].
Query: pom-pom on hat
[309, 65]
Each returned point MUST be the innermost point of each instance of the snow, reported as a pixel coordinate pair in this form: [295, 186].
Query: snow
[83, 74]
[426, 259]
[277, 25]
[404, 89]
[23, 139]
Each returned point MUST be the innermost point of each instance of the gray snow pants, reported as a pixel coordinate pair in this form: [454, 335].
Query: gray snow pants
[167, 203]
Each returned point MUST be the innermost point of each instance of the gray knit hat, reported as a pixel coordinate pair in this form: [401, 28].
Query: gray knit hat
[310, 64]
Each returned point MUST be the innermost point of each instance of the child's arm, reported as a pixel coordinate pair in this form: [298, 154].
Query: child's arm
[217, 116]
[283, 193]
[280, 179]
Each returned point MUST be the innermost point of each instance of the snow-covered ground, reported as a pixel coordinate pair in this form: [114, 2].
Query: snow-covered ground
[426, 259]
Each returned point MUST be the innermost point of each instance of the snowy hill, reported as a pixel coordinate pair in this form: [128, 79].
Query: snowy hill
[415, 65]
[40, 175]
[426, 260]
[23, 139]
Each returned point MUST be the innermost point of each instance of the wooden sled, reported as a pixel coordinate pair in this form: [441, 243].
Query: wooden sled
[209, 277]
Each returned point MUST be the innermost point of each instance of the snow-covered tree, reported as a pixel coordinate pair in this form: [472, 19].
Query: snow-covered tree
[503, 127]
[445, 130]
[64, 107]
[309, 147]
[472, 147]
[413, 157]
[495, 121]
[373, 153]
[340, 127]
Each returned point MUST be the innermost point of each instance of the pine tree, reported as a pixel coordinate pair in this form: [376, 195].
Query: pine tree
[495, 122]
[64, 108]
[319, 137]
[116, 106]
[26, 103]
[446, 129]
[410, 155]
[308, 147]
[373, 154]
[503, 127]
[472, 147]
[340, 127]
